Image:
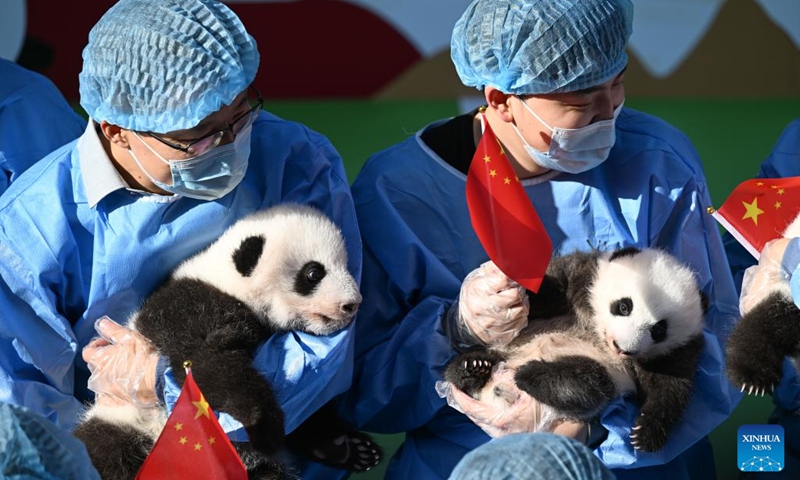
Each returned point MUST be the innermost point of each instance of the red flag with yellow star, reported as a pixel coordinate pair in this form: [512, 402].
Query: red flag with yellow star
[192, 444]
[503, 217]
[759, 210]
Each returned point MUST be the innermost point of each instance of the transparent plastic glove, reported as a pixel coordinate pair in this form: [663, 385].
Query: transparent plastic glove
[123, 365]
[765, 277]
[516, 412]
[492, 308]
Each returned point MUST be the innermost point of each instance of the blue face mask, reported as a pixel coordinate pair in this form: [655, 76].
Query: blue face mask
[574, 150]
[210, 175]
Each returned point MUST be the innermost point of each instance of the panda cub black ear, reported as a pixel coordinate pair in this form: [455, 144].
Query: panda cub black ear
[623, 252]
[247, 255]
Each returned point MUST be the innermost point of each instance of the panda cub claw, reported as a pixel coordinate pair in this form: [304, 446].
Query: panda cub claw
[471, 370]
[648, 434]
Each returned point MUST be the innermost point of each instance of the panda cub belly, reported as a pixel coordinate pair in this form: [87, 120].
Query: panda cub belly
[602, 324]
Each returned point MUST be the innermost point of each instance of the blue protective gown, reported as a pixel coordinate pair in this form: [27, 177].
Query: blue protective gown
[784, 161]
[35, 119]
[419, 245]
[64, 263]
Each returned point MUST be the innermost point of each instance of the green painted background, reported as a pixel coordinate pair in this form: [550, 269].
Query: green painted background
[731, 136]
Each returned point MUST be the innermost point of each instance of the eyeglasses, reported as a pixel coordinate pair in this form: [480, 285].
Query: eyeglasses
[207, 142]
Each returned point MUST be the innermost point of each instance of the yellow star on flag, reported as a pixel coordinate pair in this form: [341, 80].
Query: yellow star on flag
[487, 159]
[178, 426]
[760, 184]
[493, 173]
[182, 441]
[507, 181]
[197, 447]
[777, 205]
[752, 211]
[212, 440]
[202, 407]
[781, 191]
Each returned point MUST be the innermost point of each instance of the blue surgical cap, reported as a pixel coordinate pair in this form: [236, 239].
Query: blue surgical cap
[541, 46]
[165, 65]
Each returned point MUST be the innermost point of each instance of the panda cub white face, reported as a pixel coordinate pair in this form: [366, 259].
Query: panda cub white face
[646, 303]
[288, 264]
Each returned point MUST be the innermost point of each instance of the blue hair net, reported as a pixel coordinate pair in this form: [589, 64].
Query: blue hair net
[33, 447]
[165, 65]
[541, 46]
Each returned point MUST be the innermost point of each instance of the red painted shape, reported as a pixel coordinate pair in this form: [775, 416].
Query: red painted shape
[309, 48]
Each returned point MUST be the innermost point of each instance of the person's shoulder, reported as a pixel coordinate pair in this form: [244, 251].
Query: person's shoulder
[44, 180]
[400, 156]
[641, 132]
[789, 139]
[21, 84]
[276, 129]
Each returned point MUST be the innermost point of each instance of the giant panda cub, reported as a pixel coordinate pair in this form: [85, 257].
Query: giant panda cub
[279, 269]
[765, 336]
[602, 324]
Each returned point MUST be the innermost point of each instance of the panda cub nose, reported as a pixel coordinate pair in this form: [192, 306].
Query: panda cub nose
[349, 307]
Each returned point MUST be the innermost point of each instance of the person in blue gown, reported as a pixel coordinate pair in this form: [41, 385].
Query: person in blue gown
[176, 150]
[783, 161]
[35, 119]
[600, 176]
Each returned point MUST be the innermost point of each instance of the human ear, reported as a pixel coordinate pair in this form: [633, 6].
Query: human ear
[115, 134]
[498, 101]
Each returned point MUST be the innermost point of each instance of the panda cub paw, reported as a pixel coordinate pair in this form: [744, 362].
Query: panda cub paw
[353, 451]
[648, 434]
[470, 371]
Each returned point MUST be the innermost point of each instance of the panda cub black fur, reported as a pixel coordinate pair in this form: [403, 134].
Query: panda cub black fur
[765, 336]
[280, 269]
[602, 324]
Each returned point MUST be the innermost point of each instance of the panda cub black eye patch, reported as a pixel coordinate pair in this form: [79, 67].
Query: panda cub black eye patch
[308, 277]
[622, 307]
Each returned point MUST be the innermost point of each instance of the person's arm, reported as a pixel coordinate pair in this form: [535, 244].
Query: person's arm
[37, 346]
[689, 233]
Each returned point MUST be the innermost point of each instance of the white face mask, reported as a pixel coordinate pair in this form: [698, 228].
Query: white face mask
[574, 150]
[210, 175]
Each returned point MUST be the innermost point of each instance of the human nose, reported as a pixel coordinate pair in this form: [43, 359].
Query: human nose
[605, 105]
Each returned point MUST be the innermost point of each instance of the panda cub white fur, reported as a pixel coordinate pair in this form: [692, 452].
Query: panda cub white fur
[765, 336]
[602, 324]
[279, 269]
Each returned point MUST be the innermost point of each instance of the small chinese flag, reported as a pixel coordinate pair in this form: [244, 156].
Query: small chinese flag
[503, 217]
[759, 210]
[192, 444]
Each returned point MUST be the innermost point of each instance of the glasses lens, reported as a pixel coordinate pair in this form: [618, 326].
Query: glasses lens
[205, 144]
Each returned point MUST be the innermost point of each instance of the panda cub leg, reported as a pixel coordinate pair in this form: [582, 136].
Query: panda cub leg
[470, 371]
[760, 342]
[665, 387]
[577, 386]
[117, 451]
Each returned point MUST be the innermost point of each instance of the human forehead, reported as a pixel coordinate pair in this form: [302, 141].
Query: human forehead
[586, 93]
[214, 121]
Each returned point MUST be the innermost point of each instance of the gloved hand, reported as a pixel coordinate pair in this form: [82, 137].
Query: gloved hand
[517, 412]
[123, 365]
[764, 277]
[492, 308]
